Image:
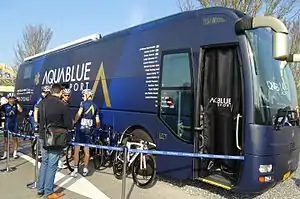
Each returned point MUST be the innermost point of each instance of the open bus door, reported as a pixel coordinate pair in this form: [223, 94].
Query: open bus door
[218, 124]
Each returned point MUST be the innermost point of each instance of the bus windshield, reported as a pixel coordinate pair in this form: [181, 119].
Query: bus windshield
[274, 86]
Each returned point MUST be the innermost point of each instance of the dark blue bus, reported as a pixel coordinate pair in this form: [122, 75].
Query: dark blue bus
[210, 81]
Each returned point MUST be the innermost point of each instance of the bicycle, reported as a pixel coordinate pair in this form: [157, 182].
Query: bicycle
[27, 129]
[108, 138]
[95, 153]
[137, 163]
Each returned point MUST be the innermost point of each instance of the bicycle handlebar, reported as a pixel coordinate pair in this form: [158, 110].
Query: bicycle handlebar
[142, 144]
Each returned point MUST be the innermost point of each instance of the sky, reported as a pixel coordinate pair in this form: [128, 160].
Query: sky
[73, 19]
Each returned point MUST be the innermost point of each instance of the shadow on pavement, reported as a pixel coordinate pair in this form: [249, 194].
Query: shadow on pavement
[297, 181]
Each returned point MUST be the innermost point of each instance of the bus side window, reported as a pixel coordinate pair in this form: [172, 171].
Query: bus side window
[27, 72]
[176, 93]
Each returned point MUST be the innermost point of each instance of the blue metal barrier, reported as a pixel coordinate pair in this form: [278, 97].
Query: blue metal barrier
[155, 152]
[186, 154]
[98, 146]
[23, 136]
[169, 153]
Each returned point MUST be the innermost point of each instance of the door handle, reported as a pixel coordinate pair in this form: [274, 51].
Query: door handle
[237, 131]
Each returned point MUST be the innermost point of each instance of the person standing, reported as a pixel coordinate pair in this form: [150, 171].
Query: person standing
[88, 115]
[2, 101]
[66, 96]
[45, 92]
[11, 110]
[51, 110]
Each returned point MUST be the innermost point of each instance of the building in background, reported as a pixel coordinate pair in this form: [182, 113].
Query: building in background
[7, 75]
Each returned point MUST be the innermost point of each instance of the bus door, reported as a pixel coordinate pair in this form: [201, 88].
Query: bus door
[176, 99]
[218, 110]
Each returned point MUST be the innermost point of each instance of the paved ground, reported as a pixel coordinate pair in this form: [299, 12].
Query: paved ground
[99, 185]
[103, 185]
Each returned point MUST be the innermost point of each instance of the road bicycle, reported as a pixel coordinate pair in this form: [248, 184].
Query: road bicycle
[95, 153]
[108, 138]
[26, 128]
[137, 163]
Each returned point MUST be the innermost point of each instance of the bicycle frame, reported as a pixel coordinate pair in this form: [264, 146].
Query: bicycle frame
[142, 145]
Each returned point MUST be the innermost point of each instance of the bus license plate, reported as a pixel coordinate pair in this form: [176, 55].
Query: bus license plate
[286, 176]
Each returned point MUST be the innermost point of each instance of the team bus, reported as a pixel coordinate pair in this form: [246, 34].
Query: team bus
[209, 81]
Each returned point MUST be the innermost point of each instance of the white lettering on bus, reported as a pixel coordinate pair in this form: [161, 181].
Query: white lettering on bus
[221, 101]
[77, 75]
[278, 87]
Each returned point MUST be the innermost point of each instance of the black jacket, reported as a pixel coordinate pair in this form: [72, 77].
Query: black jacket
[53, 111]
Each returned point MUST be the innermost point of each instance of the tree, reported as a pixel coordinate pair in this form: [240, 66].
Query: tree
[187, 5]
[282, 9]
[294, 30]
[35, 39]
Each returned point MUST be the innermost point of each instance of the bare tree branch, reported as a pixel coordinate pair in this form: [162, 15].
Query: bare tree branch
[251, 7]
[187, 5]
[281, 9]
[35, 39]
[294, 30]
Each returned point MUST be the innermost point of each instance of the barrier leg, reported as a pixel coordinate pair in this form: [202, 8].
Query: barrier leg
[124, 173]
[33, 185]
[8, 169]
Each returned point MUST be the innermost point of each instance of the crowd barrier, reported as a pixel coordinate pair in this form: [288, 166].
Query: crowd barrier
[125, 150]
[23, 136]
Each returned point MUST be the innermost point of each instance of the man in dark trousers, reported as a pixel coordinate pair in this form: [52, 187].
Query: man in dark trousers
[56, 112]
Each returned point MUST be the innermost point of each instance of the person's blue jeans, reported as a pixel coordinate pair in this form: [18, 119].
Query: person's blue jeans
[47, 171]
[31, 120]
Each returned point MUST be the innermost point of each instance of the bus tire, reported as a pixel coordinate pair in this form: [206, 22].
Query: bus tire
[140, 134]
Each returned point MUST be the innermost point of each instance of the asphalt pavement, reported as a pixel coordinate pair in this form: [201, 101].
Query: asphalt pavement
[98, 185]
[103, 185]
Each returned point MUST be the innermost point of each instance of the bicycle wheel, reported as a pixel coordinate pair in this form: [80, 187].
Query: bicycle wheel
[28, 128]
[109, 159]
[118, 166]
[70, 159]
[98, 155]
[149, 171]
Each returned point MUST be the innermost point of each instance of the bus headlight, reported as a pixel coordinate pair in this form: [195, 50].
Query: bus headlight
[265, 168]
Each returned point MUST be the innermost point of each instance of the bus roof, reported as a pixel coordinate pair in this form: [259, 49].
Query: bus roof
[83, 40]
[137, 28]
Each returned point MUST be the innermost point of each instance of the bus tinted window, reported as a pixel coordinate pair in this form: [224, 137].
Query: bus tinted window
[27, 72]
[176, 70]
[176, 95]
[271, 89]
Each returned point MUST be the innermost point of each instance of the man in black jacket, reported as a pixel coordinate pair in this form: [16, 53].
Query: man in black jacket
[52, 111]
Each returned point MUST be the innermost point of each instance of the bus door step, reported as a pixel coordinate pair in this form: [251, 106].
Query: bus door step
[218, 180]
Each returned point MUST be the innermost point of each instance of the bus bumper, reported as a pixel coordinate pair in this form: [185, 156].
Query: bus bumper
[255, 181]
